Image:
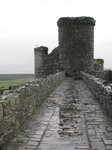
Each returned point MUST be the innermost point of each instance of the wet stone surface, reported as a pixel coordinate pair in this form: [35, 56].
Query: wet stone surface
[70, 119]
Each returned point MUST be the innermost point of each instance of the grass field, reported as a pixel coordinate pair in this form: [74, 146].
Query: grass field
[4, 84]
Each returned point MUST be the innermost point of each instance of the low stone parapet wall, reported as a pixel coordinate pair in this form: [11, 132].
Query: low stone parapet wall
[16, 106]
[105, 75]
[101, 90]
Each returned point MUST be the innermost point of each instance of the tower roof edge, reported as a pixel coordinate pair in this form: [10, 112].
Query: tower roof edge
[76, 20]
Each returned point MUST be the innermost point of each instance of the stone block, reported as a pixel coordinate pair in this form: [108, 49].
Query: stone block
[1, 128]
[1, 112]
[23, 92]
[7, 123]
[17, 99]
[12, 100]
[1, 144]
[7, 136]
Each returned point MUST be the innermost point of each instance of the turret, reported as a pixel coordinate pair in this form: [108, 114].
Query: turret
[40, 55]
[76, 44]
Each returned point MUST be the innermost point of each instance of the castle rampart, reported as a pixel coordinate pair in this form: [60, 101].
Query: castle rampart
[16, 106]
[74, 54]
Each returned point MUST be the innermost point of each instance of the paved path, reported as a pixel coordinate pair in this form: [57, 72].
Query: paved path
[70, 119]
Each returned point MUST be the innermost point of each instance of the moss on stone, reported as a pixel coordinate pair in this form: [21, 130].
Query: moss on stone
[99, 61]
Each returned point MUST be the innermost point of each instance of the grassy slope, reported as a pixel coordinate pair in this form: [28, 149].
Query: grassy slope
[6, 83]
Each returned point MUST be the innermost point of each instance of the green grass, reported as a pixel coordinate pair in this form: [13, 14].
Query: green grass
[6, 83]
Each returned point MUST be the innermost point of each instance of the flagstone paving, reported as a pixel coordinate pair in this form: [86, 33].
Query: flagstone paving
[70, 119]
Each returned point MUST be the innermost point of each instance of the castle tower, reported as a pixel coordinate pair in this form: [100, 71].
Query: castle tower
[40, 56]
[76, 44]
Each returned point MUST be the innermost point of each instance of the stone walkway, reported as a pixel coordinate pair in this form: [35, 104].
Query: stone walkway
[70, 119]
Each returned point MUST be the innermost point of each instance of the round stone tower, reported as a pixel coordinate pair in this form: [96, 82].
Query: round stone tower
[76, 44]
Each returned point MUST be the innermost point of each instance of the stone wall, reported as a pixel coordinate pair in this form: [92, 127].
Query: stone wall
[102, 91]
[51, 62]
[76, 44]
[98, 65]
[105, 75]
[45, 63]
[16, 106]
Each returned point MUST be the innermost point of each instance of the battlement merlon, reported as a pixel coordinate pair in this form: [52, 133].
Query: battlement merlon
[76, 20]
[41, 54]
[41, 49]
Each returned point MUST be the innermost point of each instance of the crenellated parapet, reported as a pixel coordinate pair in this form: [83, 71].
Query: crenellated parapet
[76, 21]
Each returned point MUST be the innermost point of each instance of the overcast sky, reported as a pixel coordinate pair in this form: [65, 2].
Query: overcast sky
[26, 23]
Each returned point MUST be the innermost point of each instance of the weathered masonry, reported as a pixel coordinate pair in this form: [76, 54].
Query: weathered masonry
[76, 44]
[45, 63]
[74, 55]
[76, 48]
[16, 106]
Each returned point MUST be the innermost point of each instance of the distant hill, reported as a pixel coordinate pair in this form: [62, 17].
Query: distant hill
[108, 69]
[15, 76]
